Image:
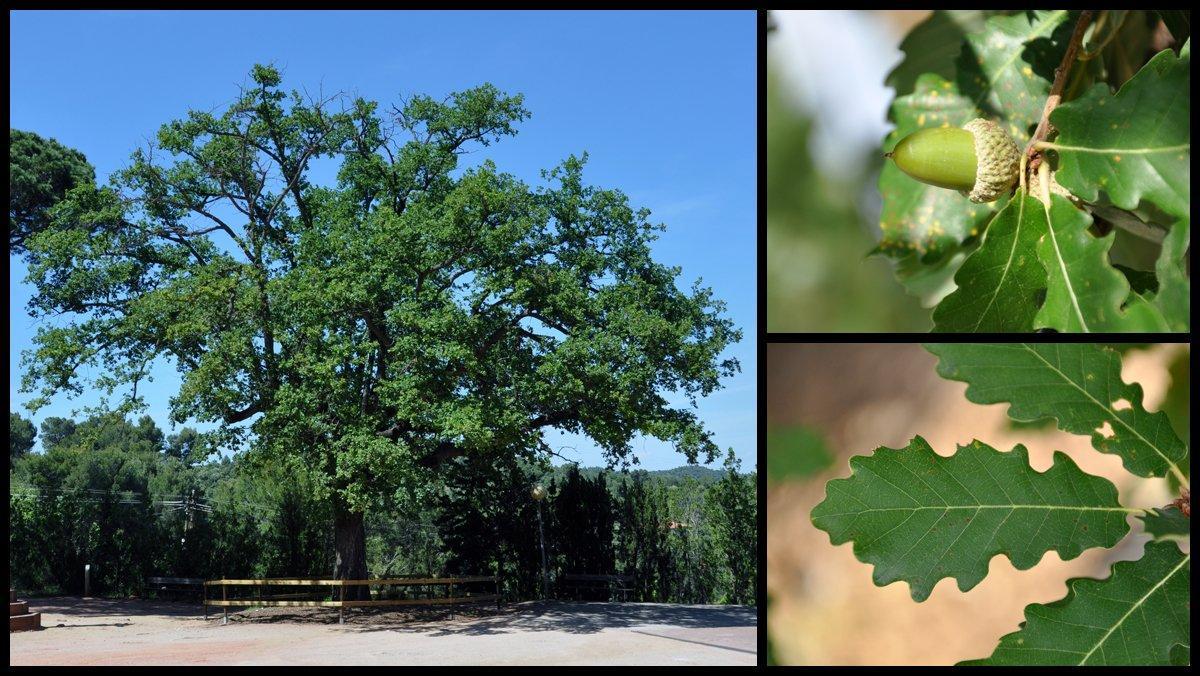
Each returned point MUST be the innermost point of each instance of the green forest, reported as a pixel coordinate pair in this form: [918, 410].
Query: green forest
[134, 502]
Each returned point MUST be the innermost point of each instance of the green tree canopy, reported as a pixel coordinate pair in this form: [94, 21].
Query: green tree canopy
[40, 172]
[189, 446]
[21, 434]
[733, 505]
[412, 313]
[103, 431]
[55, 430]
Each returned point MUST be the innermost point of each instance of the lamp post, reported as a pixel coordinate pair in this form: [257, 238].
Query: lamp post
[538, 493]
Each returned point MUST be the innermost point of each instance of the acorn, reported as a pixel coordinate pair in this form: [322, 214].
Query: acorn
[980, 160]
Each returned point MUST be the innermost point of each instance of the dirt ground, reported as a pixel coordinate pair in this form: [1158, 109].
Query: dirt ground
[135, 632]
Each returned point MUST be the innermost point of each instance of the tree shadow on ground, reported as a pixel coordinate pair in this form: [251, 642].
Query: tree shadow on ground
[94, 607]
[569, 617]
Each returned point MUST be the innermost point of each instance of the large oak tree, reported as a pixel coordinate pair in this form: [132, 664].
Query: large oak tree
[381, 327]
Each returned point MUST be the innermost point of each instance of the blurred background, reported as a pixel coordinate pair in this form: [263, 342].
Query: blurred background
[826, 119]
[826, 403]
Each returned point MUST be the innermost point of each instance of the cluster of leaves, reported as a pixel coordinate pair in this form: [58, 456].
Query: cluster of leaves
[921, 517]
[100, 494]
[1097, 243]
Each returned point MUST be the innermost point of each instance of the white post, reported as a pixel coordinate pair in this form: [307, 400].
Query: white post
[87, 580]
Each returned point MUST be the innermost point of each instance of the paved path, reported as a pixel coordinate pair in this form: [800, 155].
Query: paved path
[106, 632]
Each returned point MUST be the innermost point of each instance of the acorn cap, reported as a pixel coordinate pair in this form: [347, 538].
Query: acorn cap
[998, 159]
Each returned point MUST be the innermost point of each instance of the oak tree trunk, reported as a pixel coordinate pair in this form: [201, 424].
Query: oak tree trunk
[350, 552]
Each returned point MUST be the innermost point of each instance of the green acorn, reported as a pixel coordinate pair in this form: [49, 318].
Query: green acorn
[980, 160]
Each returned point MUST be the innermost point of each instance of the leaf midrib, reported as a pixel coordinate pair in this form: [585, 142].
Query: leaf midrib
[1007, 264]
[1128, 151]
[946, 508]
[1062, 265]
[1107, 409]
[1135, 606]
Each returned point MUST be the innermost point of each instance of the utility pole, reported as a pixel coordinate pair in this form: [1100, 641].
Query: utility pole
[538, 493]
[189, 505]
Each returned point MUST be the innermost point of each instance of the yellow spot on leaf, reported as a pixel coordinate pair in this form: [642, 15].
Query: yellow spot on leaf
[921, 120]
[1027, 71]
[1116, 158]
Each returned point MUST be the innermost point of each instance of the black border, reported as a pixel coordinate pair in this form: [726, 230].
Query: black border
[763, 339]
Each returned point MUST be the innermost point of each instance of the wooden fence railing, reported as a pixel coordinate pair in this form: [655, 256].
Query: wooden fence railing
[466, 596]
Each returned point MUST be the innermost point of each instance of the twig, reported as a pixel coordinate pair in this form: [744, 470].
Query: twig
[1184, 503]
[1129, 223]
[1060, 78]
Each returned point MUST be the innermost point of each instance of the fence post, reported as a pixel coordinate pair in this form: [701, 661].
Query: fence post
[342, 605]
[204, 590]
[225, 608]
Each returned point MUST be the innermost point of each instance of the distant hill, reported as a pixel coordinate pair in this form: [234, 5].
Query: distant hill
[670, 477]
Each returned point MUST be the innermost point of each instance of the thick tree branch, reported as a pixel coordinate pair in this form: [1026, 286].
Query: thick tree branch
[550, 419]
[232, 417]
[444, 451]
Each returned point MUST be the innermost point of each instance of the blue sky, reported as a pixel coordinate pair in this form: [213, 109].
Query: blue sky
[663, 102]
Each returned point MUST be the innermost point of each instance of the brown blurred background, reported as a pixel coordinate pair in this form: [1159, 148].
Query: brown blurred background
[824, 609]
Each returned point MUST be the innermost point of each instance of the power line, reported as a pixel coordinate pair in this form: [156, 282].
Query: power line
[206, 503]
[90, 501]
[92, 496]
[89, 491]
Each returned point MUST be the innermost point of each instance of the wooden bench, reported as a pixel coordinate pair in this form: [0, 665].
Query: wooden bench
[185, 586]
[621, 584]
